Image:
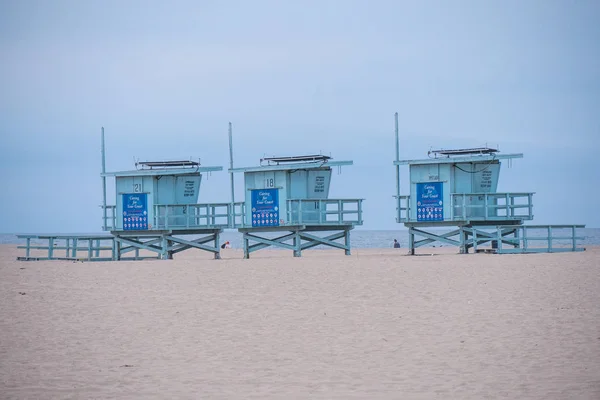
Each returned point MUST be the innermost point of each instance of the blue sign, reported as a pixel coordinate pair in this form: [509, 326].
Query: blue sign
[135, 212]
[265, 207]
[430, 201]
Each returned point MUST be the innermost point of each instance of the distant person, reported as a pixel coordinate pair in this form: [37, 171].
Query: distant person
[396, 244]
[225, 245]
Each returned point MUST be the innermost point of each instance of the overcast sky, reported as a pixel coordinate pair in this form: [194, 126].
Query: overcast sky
[165, 77]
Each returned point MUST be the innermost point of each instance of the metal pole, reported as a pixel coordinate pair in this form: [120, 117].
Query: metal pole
[397, 159]
[231, 176]
[103, 183]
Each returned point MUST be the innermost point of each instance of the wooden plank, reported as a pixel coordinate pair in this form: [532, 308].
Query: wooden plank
[264, 242]
[198, 244]
[327, 241]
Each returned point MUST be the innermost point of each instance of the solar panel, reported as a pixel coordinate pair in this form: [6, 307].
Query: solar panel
[457, 152]
[292, 159]
[167, 164]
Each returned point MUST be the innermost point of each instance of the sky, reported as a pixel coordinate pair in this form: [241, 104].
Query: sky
[165, 78]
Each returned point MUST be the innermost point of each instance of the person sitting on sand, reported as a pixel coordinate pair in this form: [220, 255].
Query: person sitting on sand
[225, 245]
[396, 244]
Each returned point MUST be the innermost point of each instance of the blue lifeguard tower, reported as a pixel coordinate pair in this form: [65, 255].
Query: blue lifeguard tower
[291, 195]
[458, 188]
[156, 214]
[156, 209]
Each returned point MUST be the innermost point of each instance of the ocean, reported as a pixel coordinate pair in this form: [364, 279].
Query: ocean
[361, 238]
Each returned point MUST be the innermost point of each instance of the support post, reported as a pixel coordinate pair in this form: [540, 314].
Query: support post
[397, 158]
[217, 246]
[463, 241]
[499, 240]
[232, 215]
[347, 241]
[164, 246]
[169, 252]
[297, 244]
[115, 249]
[51, 248]
[411, 241]
[512, 206]
[246, 242]
[104, 228]
[360, 211]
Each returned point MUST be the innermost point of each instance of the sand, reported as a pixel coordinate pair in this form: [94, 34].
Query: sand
[374, 325]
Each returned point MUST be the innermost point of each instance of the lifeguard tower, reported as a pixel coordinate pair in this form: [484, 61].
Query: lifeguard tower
[458, 188]
[157, 209]
[291, 195]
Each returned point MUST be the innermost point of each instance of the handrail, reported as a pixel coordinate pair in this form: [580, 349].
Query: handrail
[110, 221]
[476, 207]
[492, 206]
[187, 216]
[540, 238]
[191, 216]
[324, 211]
[402, 208]
[91, 247]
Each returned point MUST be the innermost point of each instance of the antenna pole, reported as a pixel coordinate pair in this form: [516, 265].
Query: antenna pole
[397, 159]
[231, 176]
[103, 182]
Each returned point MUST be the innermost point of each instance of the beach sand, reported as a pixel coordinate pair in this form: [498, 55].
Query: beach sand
[374, 325]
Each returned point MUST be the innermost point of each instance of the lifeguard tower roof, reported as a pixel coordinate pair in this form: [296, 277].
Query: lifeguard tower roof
[167, 164]
[157, 168]
[292, 159]
[477, 154]
[475, 150]
[292, 163]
